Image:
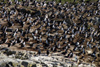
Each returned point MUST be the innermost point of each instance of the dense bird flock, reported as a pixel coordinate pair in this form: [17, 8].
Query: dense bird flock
[46, 27]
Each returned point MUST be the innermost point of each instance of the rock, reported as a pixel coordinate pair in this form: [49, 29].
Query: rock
[10, 63]
[15, 64]
[75, 65]
[34, 65]
[81, 65]
[97, 20]
[10, 52]
[25, 64]
[35, 61]
[38, 65]
[30, 65]
[69, 65]
[44, 65]
[50, 65]
[4, 49]
[3, 65]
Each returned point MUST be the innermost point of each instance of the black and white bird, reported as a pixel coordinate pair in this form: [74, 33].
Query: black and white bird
[70, 55]
[22, 44]
[9, 44]
[48, 52]
[31, 45]
[39, 51]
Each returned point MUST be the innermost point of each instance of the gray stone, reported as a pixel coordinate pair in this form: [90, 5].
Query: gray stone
[25, 64]
[10, 52]
[34, 65]
[10, 63]
[3, 65]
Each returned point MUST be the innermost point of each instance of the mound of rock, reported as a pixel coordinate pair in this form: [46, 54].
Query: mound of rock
[9, 58]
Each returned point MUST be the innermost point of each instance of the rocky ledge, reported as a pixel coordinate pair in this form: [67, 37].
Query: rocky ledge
[10, 58]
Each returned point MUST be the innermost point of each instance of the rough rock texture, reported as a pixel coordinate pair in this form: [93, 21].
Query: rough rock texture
[10, 58]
